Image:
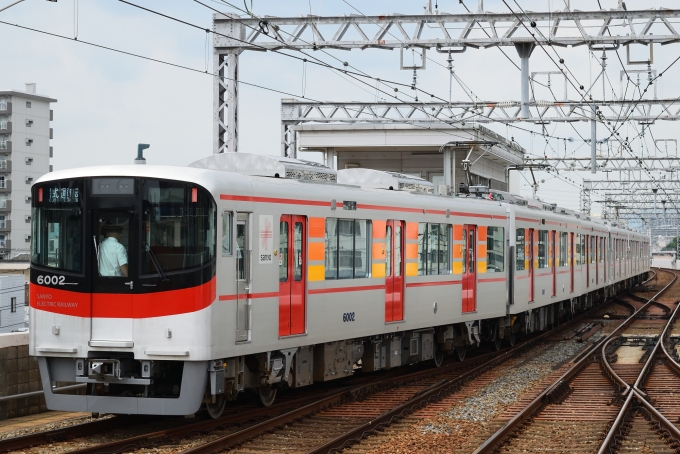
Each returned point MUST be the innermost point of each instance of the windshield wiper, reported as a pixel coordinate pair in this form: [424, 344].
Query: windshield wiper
[155, 262]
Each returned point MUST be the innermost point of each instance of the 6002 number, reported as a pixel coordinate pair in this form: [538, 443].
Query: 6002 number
[53, 280]
[348, 317]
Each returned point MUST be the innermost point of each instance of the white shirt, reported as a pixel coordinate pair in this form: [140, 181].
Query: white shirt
[112, 256]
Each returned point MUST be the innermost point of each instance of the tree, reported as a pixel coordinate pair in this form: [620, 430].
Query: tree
[672, 246]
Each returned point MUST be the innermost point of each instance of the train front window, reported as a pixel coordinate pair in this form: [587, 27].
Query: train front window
[178, 226]
[57, 230]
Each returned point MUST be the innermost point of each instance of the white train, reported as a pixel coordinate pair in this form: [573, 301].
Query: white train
[253, 272]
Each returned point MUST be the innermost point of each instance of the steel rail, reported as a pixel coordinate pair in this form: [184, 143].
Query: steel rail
[635, 393]
[545, 397]
[357, 433]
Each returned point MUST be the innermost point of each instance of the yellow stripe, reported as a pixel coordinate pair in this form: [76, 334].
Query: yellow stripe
[481, 267]
[316, 272]
[378, 270]
[412, 269]
[457, 267]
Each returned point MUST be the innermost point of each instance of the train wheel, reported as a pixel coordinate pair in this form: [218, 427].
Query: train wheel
[438, 356]
[497, 343]
[265, 396]
[215, 410]
[460, 352]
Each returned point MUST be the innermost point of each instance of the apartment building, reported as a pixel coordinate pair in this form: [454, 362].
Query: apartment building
[25, 152]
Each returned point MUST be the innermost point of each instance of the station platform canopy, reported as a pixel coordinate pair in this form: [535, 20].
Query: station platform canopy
[440, 154]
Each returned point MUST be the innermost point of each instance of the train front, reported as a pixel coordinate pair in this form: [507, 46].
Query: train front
[122, 281]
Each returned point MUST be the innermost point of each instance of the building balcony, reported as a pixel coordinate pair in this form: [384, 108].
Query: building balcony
[5, 225]
[6, 127]
[5, 146]
[5, 245]
[5, 186]
[5, 108]
[5, 166]
[5, 206]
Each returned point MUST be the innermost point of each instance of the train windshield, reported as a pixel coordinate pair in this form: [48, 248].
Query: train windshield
[57, 236]
[179, 227]
[119, 229]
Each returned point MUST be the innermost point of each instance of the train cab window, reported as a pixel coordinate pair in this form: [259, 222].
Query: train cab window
[347, 245]
[179, 226]
[57, 218]
[227, 237]
[433, 249]
[519, 249]
[563, 249]
[283, 252]
[495, 249]
[542, 248]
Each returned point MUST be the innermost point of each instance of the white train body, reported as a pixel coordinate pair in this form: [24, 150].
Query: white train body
[218, 300]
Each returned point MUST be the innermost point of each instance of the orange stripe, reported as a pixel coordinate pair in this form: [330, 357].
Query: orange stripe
[457, 251]
[481, 233]
[481, 250]
[247, 198]
[457, 232]
[378, 252]
[317, 251]
[316, 227]
[412, 231]
[411, 251]
[379, 229]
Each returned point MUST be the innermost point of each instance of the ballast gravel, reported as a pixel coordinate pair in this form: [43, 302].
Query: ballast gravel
[451, 429]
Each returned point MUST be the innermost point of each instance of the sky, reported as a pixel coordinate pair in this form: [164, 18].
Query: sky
[109, 102]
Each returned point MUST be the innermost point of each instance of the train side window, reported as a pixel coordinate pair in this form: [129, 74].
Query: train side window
[433, 249]
[495, 249]
[227, 235]
[542, 248]
[347, 246]
[519, 249]
[283, 252]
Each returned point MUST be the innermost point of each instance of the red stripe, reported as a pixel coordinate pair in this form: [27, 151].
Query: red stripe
[252, 296]
[364, 206]
[430, 284]
[247, 198]
[110, 305]
[526, 219]
[493, 279]
[521, 277]
[319, 291]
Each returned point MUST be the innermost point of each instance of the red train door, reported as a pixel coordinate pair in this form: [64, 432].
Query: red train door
[553, 256]
[531, 264]
[394, 271]
[572, 259]
[292, 274]
[587, 255]
[469, 268]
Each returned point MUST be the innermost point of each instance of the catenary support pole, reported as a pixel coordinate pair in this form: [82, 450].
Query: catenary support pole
[524, 50]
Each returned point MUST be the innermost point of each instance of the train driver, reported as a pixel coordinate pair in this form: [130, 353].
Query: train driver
[112, 255]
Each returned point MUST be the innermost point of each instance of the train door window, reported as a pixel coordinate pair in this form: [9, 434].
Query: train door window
[592, 249]
[297, 252]
[495, 249]
[584, 252]
[283, 251]
[227, 237]
[397, 249]
[388, 251]
[563, 249]
[471, 248]
[113, 244]
[519, 250]
[542, 248]
[465, 257]
[241, 250]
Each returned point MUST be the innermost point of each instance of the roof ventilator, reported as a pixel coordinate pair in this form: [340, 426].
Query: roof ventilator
[381, 179]
[268, 166]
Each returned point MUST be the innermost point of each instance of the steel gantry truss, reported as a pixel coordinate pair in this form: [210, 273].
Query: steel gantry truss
[542, 112]
[483, 29]
[668, 164]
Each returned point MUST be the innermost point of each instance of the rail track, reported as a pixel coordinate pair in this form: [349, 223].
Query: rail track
[616, 397]
[332, 419]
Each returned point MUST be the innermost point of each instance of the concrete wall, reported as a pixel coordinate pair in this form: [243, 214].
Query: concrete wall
[18, 374]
